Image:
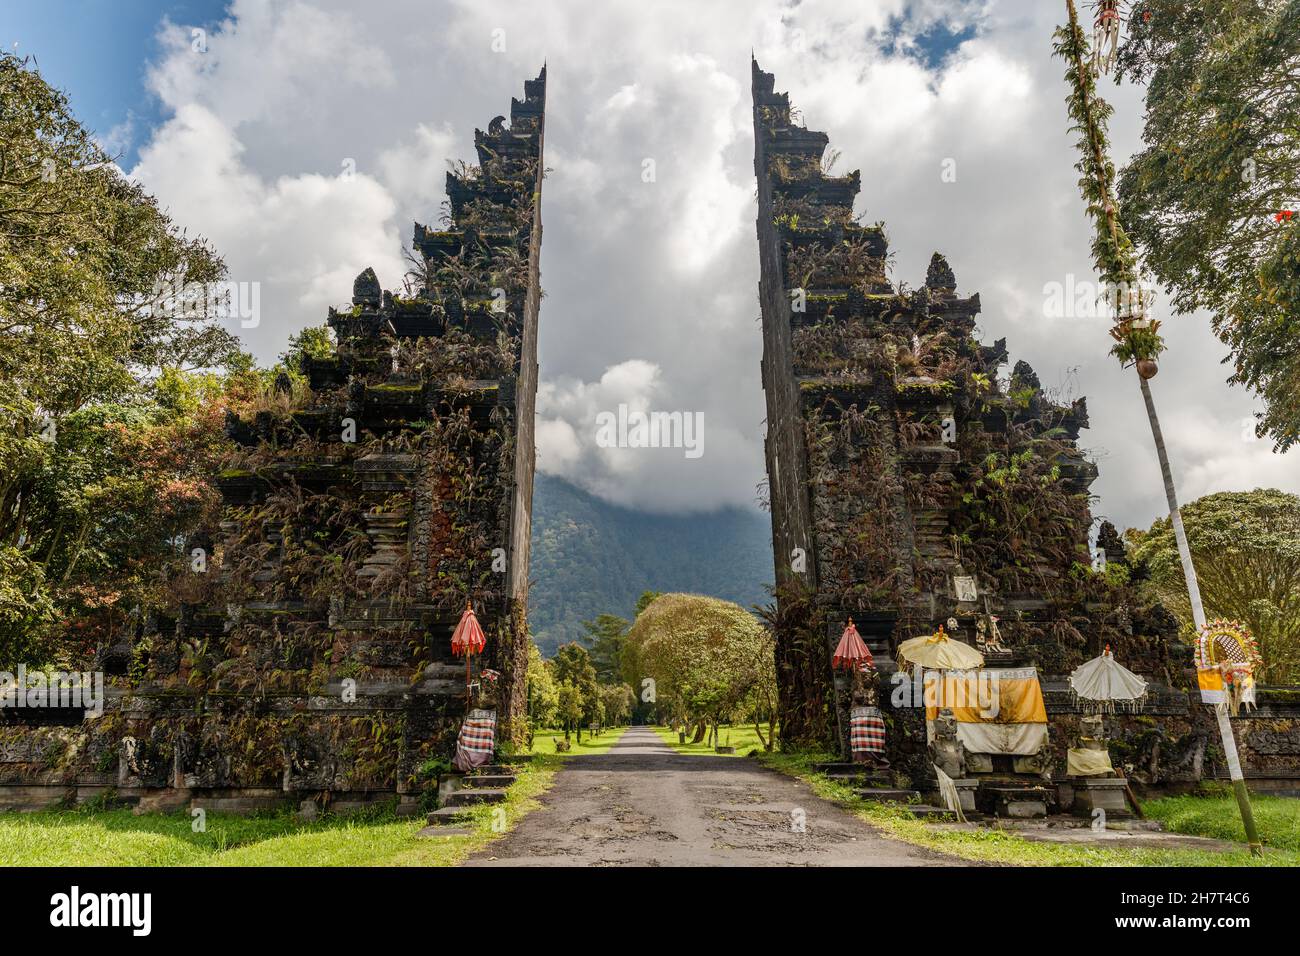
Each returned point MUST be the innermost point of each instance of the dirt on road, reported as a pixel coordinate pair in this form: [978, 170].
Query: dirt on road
[643, 804]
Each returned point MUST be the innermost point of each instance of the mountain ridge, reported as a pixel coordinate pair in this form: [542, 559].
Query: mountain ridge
[591, 557]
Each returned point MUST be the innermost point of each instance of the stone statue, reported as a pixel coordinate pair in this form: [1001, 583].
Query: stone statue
[946, 751]
[1092, 732]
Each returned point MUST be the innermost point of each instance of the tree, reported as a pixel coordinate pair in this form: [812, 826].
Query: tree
[645, 600]
[1212, 198]
[760, 702]
[705, 656]
[1137, 338]
[1246, 545]
[569, 708]
[604, 637]
[572, 665]
[618, 700]
[543, 694]
[109, 425]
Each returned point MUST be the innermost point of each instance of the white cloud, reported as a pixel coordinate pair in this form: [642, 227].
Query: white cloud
[303, 238]
[666, 272]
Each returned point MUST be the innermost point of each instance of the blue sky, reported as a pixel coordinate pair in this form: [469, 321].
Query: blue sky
[96, 51]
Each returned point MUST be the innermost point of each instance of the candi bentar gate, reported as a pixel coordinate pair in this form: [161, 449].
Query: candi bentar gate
[311, 659]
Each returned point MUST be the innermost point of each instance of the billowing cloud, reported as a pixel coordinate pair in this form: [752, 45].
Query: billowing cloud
[305, 137]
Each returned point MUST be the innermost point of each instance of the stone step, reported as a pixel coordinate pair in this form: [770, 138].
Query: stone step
[854, 773]
[436, 830]
[888, 795]
[446, 816]
[491, 769]
[481, 781]
[470, 796]
[924, 811]
[832, 768]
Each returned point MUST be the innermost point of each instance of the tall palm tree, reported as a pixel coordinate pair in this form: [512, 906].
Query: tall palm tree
[1137, 338]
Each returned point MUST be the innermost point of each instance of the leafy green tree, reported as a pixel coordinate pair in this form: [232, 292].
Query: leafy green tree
[572, 665]
[1213, 197]
[543, 694]
[570, 707]
[1246, 545]
[619, 701]
[707, 657]
[604, 638]
[105, 437]
[645, 600]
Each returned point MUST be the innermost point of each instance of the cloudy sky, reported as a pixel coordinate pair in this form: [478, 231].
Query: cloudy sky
[248, 129]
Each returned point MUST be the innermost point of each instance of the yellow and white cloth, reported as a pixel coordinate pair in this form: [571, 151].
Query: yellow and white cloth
[1235, 692]
[1081, 762]
[997, 710]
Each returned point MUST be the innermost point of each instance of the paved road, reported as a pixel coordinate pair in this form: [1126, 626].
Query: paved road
[642, 804]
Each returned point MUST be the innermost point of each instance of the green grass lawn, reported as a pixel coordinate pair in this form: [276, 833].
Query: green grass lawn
[1217, 816]
[120, 838]
[544, 742]
[740, 736]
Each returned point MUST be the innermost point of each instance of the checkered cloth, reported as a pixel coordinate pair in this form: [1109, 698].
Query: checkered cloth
[866, 731]
[477, 740]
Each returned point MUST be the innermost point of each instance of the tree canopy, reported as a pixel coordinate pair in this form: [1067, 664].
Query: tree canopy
[1246, 547]
[711, 660]
[1214, 197]
[604, 639]
[110, 408]
[580, 697]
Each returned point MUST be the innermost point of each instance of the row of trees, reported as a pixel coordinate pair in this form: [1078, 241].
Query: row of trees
[584, 684]
[566, 692]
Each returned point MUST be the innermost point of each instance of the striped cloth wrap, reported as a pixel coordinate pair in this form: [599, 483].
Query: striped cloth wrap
[477, 740]
[866, 730]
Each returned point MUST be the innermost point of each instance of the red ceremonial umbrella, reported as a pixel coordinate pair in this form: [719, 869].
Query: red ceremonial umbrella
[468, 639]
[852, 654]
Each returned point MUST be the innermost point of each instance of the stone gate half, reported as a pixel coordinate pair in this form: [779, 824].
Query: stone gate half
[308, 654]
[908, 489]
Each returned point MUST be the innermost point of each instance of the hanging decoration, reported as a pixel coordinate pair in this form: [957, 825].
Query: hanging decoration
[1226, 660]
[1105, 34]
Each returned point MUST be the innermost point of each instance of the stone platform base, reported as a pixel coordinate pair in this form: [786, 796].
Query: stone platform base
[1100, 793]
[1015, 801]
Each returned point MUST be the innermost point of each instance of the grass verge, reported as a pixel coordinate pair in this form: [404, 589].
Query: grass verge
[740, 736]
[983, 845]
[1214, 814]
[120, 838]
[544, 742]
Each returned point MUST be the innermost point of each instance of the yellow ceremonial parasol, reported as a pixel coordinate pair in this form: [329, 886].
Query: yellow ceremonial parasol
[938, 652]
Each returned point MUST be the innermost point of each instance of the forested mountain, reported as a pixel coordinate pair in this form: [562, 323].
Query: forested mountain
[591, 557]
